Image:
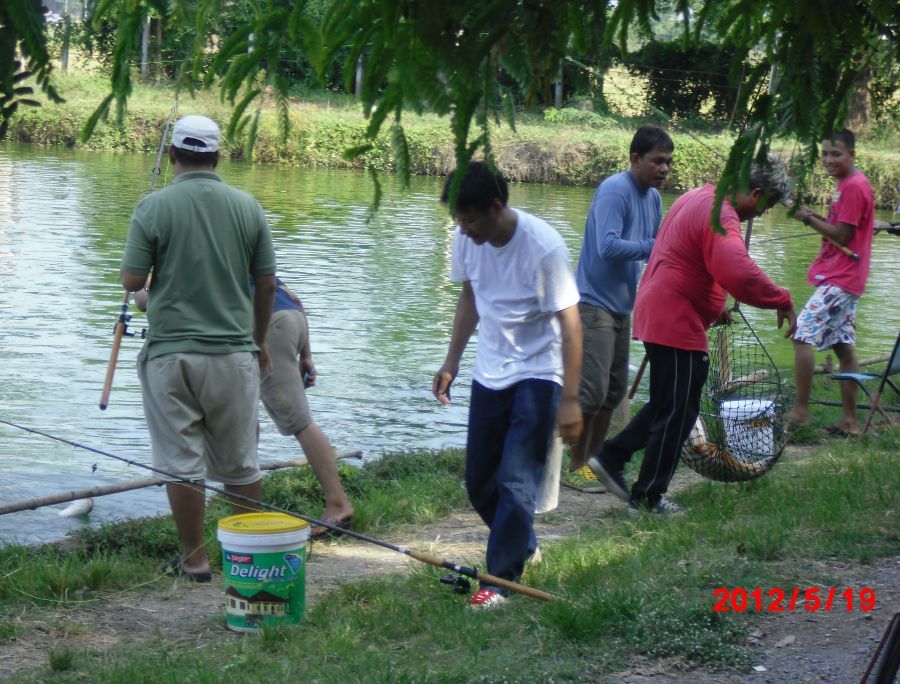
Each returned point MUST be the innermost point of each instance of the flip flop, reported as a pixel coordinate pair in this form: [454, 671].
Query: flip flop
[319, 532]
[174, 569]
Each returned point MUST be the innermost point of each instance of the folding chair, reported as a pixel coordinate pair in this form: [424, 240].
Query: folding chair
[893, 367]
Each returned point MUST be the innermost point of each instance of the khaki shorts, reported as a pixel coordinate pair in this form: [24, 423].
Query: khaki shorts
[202, 412]
[281, 388]
[604, 365]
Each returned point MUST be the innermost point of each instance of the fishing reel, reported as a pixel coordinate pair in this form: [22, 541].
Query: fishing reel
[126, 332]
[458, 583]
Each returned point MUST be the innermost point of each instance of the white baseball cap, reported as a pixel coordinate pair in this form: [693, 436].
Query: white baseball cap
[196, 133]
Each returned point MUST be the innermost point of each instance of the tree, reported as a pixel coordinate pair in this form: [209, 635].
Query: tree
[682, 80]
[457, 58]
[23, 54]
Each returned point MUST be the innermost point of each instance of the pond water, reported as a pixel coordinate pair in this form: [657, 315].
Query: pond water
[379, 299]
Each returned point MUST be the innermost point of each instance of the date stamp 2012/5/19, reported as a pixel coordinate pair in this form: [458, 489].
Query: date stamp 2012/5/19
[777, 600]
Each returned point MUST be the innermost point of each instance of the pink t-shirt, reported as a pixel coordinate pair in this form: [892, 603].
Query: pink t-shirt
[853, 203]
[691, 271]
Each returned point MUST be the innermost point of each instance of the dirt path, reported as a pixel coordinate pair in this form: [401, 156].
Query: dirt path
[792, 647]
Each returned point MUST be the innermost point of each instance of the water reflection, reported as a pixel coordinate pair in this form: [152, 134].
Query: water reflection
[380, 304]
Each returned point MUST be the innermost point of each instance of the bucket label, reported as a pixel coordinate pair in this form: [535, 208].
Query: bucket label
[241, 558]
[264, 588]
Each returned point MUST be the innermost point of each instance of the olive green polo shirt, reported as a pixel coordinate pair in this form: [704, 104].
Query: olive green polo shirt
[200, 238]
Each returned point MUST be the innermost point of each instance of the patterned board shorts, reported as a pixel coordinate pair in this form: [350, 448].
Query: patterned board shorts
[829, 318]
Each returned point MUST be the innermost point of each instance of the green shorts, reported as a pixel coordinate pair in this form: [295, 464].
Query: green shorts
[202, 411]
[604, 365]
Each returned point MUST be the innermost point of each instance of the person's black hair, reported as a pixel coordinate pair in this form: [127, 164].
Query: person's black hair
[845, 136]
[191, 158]
[478, 188]
[649, 138]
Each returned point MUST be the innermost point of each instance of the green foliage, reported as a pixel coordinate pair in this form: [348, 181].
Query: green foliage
[683, 80]
[578, 117]
[22, 35]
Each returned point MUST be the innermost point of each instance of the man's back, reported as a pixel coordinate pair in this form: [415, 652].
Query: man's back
[201, 237]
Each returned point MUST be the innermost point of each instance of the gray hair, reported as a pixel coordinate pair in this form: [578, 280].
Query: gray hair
[771, 178]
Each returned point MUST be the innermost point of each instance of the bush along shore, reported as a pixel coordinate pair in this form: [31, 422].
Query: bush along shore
[634, 590]
[566, 146]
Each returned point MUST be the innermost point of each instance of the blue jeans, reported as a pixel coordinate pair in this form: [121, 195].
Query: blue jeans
[506, 450]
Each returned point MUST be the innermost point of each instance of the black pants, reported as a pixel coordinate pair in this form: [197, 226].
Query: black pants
[677, 377]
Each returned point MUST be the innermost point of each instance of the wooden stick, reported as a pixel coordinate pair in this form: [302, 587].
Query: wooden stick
[118, 333]
[637, 377]
[829, 367]
[104, 490]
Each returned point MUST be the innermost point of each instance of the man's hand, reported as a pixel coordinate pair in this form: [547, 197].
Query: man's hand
[308, 372]
[263, 358]
[800, 211]
[441, 383]
[569, 420]
[790, 316]
[725, 319]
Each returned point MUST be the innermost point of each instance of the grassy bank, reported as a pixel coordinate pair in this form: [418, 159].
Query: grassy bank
[634, 589]
[562, 146]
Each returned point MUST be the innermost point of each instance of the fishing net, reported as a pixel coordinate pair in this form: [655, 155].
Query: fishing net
[739, 434]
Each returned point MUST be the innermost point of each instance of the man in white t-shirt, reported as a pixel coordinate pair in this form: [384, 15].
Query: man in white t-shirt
[518, 288]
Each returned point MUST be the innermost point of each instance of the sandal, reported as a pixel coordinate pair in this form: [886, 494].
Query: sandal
[174, 569]
[318, 532]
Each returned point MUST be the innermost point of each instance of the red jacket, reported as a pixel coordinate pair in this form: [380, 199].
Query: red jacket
[692, 270]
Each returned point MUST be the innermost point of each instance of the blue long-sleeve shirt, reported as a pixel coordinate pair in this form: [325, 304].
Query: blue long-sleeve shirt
[618, 236]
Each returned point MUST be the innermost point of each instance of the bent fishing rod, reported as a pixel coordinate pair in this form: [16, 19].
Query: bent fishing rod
[474, 573]
[121, 328]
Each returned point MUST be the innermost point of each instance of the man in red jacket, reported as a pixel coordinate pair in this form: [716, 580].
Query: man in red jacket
[692, 270]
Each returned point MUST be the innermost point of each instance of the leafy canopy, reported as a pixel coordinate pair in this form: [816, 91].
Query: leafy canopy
[463, 58]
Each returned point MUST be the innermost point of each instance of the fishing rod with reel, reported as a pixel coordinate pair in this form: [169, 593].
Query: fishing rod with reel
[120, 329]
[460, 585]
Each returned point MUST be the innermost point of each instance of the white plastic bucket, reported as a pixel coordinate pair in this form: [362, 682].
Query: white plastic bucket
[264, 566]
[748, 427]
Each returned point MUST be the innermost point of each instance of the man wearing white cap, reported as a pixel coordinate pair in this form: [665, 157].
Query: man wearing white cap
[199, 372]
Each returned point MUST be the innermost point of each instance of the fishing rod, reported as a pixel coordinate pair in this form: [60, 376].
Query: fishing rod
[120, 330]
[893, 228]
[474, 573]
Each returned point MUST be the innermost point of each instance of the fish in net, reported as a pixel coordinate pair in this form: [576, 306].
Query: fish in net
[740, 432]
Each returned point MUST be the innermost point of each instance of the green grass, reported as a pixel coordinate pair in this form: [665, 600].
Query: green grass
[633, 590]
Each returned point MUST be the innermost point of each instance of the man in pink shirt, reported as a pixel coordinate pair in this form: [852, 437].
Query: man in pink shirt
[829, 318]
[691, 271]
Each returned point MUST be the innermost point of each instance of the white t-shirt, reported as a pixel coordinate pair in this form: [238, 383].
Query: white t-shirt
[518, 288]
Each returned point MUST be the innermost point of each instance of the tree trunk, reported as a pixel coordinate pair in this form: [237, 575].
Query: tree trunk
[859, 115]
[359, 78]
[558, 88]
[145, 49]
[160, 68]
[67, 33]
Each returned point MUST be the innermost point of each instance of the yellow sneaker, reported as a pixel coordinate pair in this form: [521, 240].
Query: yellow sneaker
[584, 480]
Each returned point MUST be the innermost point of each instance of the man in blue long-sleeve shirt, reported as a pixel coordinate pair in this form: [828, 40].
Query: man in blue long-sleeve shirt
[618, 236]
